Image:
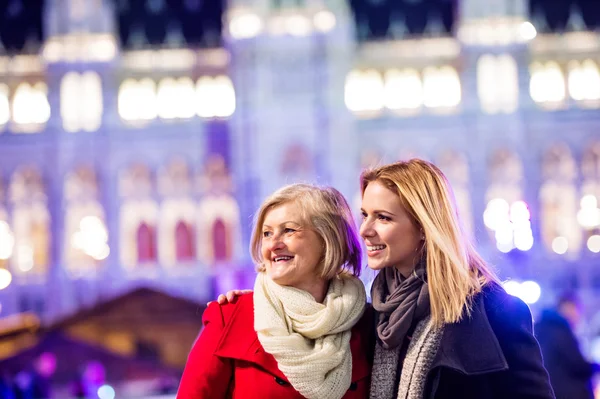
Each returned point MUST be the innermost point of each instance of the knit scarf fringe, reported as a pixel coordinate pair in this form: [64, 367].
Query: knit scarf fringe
[309, 340]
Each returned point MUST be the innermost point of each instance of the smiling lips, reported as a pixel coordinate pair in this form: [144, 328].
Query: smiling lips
[282, 258]
[373, 250]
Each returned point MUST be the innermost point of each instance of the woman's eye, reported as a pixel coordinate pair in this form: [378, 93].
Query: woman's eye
[288, 230]
[385, 218]
[266, 234]
[364, 215]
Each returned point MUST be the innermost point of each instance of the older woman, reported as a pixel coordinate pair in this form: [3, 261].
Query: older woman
[302, 332]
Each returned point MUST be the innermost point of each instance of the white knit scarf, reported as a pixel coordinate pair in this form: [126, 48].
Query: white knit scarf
[309, 340]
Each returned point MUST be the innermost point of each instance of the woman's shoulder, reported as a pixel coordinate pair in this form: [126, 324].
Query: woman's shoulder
[502, 306]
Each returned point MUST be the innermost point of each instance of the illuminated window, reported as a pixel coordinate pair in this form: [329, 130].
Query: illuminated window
[588, 214]
[30, 106]
[69, 101]
[506, 215]
[456, 168]
[218, 216]
[244, 26]
[403, 89]
[31, 223]
[215, 97]
[441, 87]
[547, 84]
[137, 101]
[584, 81]
[175, 98]
[497, 83]
[4, 105]
[177, 241]
[126, 100]
[559, 202]
[138, 217]
[219, 228]
[364, 91]
[91, 101]
[167, 100]
[177, 220]
[187, 95]
[86, 234]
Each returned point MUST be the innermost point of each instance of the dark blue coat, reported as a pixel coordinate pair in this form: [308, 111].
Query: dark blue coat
[490, 355]
[570, 373]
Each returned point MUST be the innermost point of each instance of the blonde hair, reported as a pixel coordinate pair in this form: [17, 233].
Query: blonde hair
[325, 211]
[455, 271]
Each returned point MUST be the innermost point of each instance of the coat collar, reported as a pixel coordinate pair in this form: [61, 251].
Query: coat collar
[471, 346]
[240, 342]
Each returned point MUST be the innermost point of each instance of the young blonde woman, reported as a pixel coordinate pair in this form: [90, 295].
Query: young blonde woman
[304, 333]
[445, 327]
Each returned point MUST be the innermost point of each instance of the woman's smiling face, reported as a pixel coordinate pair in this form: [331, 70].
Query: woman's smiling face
[390, 233]
[291, 250]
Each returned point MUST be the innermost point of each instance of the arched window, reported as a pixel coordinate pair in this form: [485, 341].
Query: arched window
[86, 234]
[146, 244]
[507, 215]
[138, 217]
[588, 215]
[497, 83]
[69, 101]
[455, 167]
[220, 241]
[441, 87]
[167, 97]
[584, 81]
[127, 99]
[31, 223]
[4, 105]
[177, 220]
[547, 84]
[296, 163]
[215, 97]
[559, 202]
[403, 89]
[92, 106]
[364, 91]
[137, 101]
[30, 106]
[184, 242]
[218, 229]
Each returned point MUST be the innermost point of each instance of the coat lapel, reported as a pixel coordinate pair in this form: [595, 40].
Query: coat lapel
[240, 342]
[471, 346]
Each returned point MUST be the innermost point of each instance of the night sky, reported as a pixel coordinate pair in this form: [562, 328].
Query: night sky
[199, 21]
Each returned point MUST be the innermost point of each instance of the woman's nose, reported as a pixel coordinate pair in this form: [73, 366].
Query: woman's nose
[275, 243]
[366, 229]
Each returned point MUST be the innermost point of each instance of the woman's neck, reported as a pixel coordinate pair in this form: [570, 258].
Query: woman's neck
[318, 289]
[407, 270]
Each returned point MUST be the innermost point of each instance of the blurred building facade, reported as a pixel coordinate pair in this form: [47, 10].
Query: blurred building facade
[138, 137]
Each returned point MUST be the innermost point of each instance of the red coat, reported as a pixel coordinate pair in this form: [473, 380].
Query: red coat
[228, 361]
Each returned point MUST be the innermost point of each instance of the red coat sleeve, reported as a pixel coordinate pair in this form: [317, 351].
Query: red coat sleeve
[206, 375]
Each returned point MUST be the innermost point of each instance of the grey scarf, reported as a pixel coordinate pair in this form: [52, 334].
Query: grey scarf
[399, 302]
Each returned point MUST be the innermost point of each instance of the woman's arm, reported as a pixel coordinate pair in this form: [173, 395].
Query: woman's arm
[511, 321]
[207, 376]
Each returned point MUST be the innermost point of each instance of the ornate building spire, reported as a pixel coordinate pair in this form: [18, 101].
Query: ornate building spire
[137, 37]
[174, 37]
[538, 19]
[435, 26]
[398, 29]
[575, 23]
